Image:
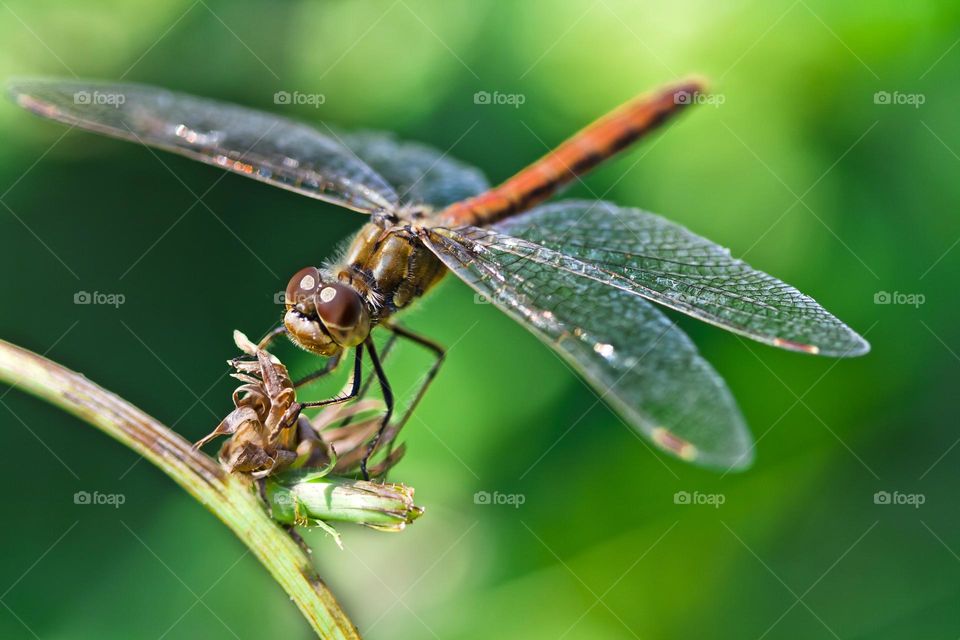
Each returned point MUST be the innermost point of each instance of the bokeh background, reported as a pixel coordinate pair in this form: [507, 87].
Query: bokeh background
[802, 168]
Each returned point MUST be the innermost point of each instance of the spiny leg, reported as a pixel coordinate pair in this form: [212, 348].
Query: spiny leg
[424, 383]
[425, 380]
[328, 367]
[387, 346]
[354, 385]
[387, 399]
[268, 339]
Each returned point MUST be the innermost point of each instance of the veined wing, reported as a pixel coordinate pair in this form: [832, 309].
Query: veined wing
[638, 360]
[663, 261]
[261, 145]
[418, 173]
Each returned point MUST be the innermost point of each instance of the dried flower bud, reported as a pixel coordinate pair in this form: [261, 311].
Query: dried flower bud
[262, 426]
[268, 434]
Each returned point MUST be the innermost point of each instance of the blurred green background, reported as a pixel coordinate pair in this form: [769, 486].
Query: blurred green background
[801, 170]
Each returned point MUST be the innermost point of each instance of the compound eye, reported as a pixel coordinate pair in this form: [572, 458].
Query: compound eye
[339, 306]
[303, 285]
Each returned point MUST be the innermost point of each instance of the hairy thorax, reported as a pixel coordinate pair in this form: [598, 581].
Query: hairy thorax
[390, 267]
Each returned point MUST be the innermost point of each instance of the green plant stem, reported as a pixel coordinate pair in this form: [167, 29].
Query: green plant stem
[232, 498]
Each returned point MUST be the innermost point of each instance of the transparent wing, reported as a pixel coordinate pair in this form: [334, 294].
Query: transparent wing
[662, 261]
[263, 146]
[636, 358]
[420, 174]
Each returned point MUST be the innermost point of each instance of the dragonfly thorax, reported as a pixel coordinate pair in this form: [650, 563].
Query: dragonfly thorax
[390, 267]
[323, 315]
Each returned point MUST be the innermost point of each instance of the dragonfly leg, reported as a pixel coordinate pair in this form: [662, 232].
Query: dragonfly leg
[354, 385]
[424, 382]
[387, 400]
[387, 347]
[328, 367]
[268, 339]
[384, 354]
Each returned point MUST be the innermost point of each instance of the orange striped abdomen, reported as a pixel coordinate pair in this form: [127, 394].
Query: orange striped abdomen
[586, 149]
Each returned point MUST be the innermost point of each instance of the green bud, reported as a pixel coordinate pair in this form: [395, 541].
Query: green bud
[304, 498]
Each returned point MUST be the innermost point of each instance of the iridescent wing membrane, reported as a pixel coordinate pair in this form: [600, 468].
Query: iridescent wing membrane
[420, 174]
[263, 146]
[580, 274]
[661, 260]
[637, 359]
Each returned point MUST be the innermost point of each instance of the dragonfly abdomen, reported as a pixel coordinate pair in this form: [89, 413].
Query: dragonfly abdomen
[580, 153]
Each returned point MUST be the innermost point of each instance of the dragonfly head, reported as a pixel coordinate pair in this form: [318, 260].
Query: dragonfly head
[324, 316]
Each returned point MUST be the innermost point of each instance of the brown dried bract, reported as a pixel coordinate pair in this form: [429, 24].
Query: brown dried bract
[267, 433]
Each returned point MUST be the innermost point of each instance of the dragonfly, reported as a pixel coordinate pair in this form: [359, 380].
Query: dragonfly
[588, 277]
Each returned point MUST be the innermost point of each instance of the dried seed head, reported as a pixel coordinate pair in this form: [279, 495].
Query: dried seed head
[267, 433]
[262, 425]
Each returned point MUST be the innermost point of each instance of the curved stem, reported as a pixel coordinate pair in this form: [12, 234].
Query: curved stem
[232, 498]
